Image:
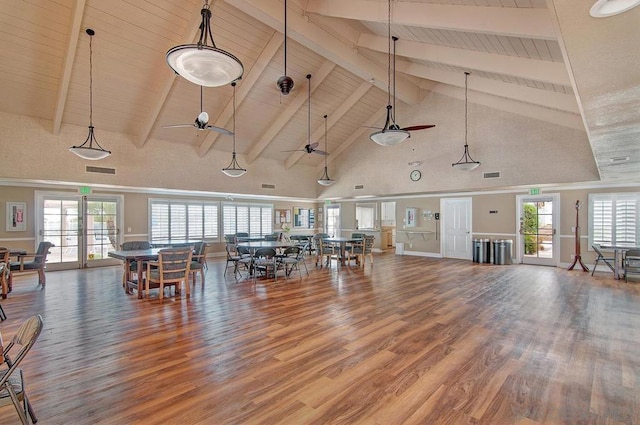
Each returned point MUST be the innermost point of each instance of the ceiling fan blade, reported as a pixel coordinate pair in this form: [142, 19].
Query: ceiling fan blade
[369, 126]
[294, 150]
[313, 145]
[320, 152]
[418, 127]
[178, 126]
[219, 130]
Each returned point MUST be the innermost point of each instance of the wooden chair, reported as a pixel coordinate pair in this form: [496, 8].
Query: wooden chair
[199, 260]
[171, 269]
[37, 264]
[3, 270]
[133, 266]
[609, 261]
[362, 249]
[12, 383]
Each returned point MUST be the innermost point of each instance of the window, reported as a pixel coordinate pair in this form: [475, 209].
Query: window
[254, 219]
[366, 216]
[613, 218]
[181, 220]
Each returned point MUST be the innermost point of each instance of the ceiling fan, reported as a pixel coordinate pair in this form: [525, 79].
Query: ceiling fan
[309, 147]
[202, 122]
[391, 133]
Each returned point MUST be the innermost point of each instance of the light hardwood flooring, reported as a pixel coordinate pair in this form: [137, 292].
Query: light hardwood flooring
[408, 341]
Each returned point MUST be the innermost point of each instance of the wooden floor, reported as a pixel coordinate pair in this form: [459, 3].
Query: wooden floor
[409, 341]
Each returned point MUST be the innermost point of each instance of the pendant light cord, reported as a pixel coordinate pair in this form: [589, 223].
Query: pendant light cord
[234, 118]
[466, 102]
[285, 37]
[91, 80]
[389, 51]
[309, 111]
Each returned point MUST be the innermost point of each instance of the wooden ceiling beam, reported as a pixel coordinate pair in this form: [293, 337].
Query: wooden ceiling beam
[70, 54]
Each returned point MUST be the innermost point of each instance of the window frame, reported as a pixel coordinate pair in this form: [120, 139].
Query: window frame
[370, 207]
[265, 221]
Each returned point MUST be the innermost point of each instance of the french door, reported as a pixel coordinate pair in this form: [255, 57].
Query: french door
[538, 241]
[332, 220]
[84, 229]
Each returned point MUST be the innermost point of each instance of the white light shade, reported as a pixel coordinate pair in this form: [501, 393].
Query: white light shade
[466, 166]
[92, 154]
[389, 137]
[204, 65]
[604, 8]
[234, 172]
[326, 182]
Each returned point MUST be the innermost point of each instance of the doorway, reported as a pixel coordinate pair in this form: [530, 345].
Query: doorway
[537, 237]
[456, 228]
[59, 220]
[332, 221]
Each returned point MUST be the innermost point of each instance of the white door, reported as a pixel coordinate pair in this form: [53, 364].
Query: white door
[456, 228]
[538, 241]
[82, 229]
[332, 220]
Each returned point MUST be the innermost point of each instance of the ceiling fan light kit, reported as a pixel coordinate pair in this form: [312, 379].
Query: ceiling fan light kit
[87, 150]
[285, 83]
[202, 120]
[466, 163]
[234, 169]
[325, 180]
[204, 64]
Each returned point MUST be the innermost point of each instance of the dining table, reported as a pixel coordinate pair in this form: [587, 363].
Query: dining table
[342, 243]
[618, 252]
[139, 256]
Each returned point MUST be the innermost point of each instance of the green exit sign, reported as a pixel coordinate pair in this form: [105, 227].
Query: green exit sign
[84, 190]
[534, 191]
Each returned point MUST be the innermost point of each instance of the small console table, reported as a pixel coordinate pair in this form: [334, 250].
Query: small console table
[411, 234]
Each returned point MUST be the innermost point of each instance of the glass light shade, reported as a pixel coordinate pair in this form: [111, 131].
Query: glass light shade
[204, 65]
[605, 8]
[92, 154]
[389, 137]
[466, 166]
[234, 169]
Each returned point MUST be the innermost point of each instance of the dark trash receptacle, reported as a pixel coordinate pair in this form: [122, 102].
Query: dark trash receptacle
[502, 251]
[481, 251]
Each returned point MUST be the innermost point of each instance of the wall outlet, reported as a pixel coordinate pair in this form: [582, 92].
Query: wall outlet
[410, 245]
[128, 229]
[573, 228]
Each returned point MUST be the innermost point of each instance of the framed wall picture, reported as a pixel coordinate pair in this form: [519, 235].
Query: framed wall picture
[282, 216]
[16, 216]
[411, 217]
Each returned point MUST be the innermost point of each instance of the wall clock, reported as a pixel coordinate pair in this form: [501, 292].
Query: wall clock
[415, 175]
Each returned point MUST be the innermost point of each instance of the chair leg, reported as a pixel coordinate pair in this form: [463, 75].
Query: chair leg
[3, 316]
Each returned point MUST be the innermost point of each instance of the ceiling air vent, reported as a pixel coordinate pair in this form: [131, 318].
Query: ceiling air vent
[268, 186]
[359, 186]
[101, 170]
[492, 175]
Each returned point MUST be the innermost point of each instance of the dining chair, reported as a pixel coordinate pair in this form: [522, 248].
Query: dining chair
[363, 250]
[324, 251]
[609, 261]
[171, 269]
[264, 261]
[291, 259]
[12, 382]
[631, 263]
[3, 270]
[36, 264]
[133, 266]
[198, 260]
[233, 257]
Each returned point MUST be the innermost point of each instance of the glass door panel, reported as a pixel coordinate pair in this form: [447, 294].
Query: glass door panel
[60, 225]
[102, 230]
[537, 230]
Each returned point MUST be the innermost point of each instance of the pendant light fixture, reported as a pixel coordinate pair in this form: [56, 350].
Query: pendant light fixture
[285, 83]
[234, 169]
[87, 150]
[202, 64]
[466, 163]
[325, 180]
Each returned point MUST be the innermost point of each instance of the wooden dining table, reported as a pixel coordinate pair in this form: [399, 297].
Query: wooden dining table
[139, 256]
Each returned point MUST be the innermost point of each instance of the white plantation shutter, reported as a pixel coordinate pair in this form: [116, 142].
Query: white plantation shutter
[613, 218]
[178, 220]
[254, 219]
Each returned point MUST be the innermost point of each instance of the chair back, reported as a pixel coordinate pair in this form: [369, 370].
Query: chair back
[200, 251]
[271, 238]
[368, 244]
[291, 251]
[42, 252]
[357, 235]
[135, 245]
[265, 253]
[24, 338]
[230, 238]
[174, 263]
[4, 255]
[633, 253]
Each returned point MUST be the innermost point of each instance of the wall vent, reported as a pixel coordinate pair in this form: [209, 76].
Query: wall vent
[359, 186]
[101, 170]
[268, 186]
[492, 175]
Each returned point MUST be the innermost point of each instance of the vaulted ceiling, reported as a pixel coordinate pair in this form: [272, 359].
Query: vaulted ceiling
[549, 57]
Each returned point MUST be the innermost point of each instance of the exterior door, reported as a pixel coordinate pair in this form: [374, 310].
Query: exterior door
[83, 229]
[456, 228]
[332, 220]
[537, 237]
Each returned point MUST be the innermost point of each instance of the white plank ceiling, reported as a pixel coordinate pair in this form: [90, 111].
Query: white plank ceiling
[549, 54]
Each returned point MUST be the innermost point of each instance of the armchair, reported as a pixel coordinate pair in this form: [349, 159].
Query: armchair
[172, 268]
[36, 264]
